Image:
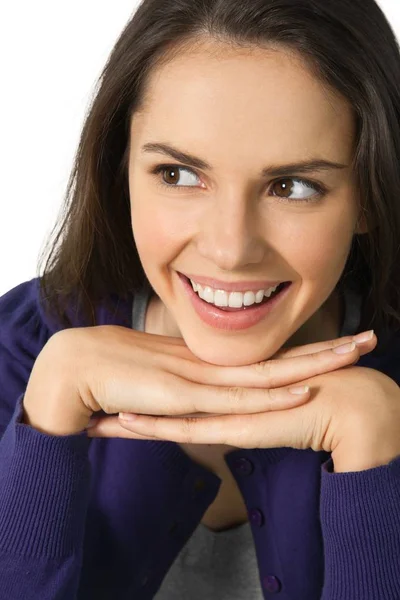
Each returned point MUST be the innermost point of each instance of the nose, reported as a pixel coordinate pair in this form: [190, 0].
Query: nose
[230, 234]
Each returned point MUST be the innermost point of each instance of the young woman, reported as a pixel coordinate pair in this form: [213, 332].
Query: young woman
[232, 225]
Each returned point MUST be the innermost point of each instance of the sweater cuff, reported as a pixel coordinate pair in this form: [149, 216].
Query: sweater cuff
[44, 490]
[360, 521]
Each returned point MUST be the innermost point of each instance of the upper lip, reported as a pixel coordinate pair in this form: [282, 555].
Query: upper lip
[237, 286]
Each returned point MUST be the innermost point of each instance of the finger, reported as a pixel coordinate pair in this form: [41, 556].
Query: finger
[364, 347]
[265, 430]
[189, 430]
[110, 427]
[194, 369]
[182, 397]
[272, 373]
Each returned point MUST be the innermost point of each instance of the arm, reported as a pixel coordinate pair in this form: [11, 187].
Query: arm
[360, 520]
[44, 477]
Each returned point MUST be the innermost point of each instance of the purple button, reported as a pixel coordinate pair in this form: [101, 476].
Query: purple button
[272, 584]
[256, 517]
[243, 466]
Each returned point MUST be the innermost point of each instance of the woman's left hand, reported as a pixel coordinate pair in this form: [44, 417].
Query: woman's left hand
[353, 412]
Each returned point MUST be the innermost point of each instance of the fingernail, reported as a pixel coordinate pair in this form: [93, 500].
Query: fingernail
[299, 390]
[364, 337]
[345, 348]
[127, 416]
[91, 423]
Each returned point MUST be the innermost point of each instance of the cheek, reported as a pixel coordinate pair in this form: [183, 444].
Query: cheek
[317, 248]
[158, 234]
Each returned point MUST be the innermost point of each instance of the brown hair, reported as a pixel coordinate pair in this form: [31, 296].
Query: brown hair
[350, 47]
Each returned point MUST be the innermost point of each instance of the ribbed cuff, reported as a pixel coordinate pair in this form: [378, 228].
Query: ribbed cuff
[44, 490]
[360, 520]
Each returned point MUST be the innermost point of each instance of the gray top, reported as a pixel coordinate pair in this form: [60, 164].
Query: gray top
[222, 564]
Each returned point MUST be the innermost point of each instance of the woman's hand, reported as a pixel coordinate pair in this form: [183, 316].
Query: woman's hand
[354, 413]
[115, 369]
[122, 370]
[191, 386]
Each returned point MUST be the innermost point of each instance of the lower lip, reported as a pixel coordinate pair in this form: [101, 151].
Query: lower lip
[242, 319]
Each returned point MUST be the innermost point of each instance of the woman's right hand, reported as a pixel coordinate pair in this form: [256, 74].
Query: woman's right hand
[115, 369]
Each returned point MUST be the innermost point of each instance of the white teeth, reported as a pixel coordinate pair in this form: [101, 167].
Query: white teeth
[219, 298]
[249, 297]
[260, 296]
[232, 299]
[235, 300]
[206, 294]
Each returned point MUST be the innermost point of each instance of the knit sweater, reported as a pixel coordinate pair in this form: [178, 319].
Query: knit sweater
[101, 518]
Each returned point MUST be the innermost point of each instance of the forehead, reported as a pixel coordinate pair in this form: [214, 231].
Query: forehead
[252, 98]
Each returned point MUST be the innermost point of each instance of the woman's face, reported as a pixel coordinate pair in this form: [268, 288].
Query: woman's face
[242, 112]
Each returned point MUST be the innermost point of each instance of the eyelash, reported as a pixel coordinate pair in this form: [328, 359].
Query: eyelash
[320, 189]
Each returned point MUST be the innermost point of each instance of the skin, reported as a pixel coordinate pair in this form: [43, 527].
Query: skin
[241, 110]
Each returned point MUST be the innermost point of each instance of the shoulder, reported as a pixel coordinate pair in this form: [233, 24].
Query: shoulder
[23, 326]
[23, 333]
[26, 325]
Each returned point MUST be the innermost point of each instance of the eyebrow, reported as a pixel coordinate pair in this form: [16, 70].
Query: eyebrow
[309, 166]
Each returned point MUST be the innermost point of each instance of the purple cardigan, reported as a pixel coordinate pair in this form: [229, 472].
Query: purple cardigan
[97, 519]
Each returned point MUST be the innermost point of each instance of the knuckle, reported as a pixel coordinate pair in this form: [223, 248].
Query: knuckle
[171, 392]
[266, 369]
[167, 393]
[187, 429]
[316, 357]
[263, 367]
[155, 423]
[100, 396]
[235, 396]
[273, 395]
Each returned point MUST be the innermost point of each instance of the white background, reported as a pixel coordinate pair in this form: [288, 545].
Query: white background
[51, 55]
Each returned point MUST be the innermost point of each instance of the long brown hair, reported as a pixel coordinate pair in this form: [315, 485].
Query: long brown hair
[348, 44]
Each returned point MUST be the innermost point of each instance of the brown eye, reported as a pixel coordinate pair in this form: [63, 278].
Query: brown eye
[171, 176]
[283, 187]
[294, 185]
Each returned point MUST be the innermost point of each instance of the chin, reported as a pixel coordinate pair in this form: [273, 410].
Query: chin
[236, 353]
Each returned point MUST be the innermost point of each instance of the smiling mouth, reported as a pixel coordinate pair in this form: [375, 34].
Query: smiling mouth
[234, 319]
[266, 299]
